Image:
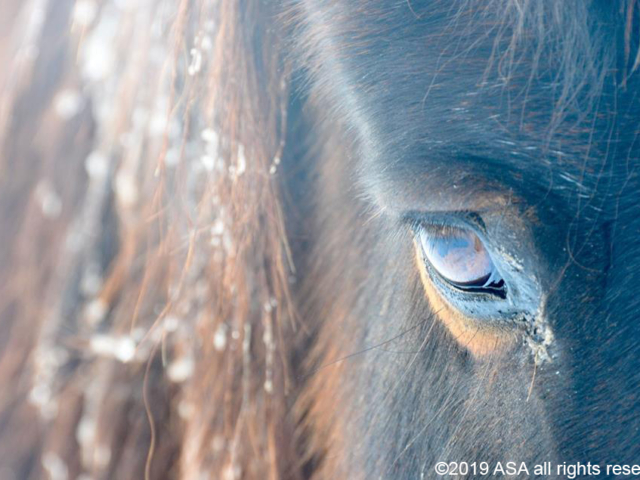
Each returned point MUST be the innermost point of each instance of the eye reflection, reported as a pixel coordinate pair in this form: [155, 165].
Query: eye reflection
[460, 258]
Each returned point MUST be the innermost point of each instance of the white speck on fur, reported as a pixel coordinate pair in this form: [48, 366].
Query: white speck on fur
[126, 189]
[220, 338]
[209, 135]
[95, 311]
[171, 324]
[98, 57]
[180, 369]
[41, 397]
[208, 162]
[91, 279]
[268, 386]
[206, 43]
[97, 165]
[196, 61]
[54, 466]
[172, 157]
[68, 103]
[242, 161]
[217, 228]
[120, 348]
[84, 12]
[86, 431]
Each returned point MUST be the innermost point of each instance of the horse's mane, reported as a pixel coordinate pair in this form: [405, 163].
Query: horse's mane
[144, 281]
[146, 320]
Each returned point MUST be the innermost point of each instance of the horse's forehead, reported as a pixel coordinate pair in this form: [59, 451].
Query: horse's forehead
[428, 85]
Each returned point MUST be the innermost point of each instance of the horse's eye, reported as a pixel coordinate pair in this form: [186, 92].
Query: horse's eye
[460, 258]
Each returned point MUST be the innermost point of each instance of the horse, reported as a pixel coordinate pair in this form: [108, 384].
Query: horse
[296, 239]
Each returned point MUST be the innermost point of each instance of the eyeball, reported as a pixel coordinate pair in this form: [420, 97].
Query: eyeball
[460, 258]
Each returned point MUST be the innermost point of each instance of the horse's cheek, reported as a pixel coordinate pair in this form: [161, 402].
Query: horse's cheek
[480, 340]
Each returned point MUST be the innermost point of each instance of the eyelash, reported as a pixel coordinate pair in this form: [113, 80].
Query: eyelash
[446, 222]
[440, 231]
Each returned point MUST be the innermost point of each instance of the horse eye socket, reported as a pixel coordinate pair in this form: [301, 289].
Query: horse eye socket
[460, 258]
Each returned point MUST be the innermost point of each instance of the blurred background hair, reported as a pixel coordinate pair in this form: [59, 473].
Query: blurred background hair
[143, 267]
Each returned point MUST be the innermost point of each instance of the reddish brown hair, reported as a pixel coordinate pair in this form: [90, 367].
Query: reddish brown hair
[144, 302]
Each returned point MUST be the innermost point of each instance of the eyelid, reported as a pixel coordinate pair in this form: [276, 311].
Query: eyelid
[465, 219]
[480, 322]
[439, 231]
[478, 337]
[457, 307]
